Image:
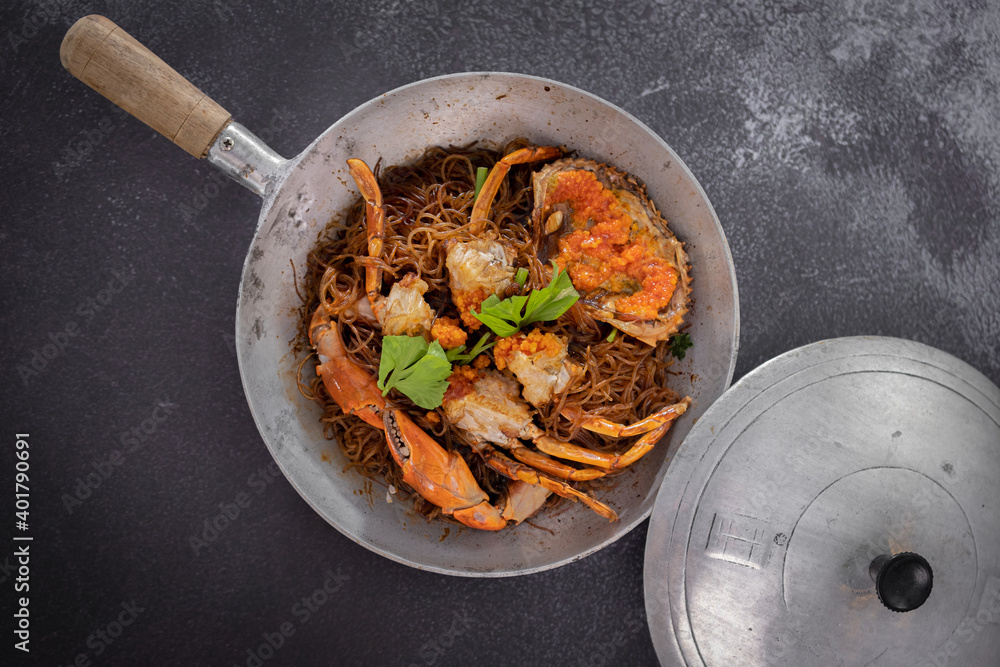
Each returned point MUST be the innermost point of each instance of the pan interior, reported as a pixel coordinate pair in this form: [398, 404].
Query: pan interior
[457, 110]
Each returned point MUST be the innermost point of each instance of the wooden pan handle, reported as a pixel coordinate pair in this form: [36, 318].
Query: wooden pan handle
[113, 63]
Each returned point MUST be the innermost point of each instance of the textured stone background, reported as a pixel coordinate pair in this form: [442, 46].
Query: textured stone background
[850, 150]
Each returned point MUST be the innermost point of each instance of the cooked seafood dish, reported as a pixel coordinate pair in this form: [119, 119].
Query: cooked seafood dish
[493, 330]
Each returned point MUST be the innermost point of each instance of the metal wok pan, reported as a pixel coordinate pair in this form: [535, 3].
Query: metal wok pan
[300, 196]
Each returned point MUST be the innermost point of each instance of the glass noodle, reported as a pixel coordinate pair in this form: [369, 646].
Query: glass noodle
[427, 205]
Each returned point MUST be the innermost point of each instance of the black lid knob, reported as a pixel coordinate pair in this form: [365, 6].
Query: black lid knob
[903, 582]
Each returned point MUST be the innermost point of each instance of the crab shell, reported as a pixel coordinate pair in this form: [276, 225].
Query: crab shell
[552, 221]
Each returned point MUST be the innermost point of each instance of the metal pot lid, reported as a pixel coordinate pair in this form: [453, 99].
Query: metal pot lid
[824, 470]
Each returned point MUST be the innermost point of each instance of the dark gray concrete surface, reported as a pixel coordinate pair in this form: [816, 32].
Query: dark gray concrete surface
[851, 152]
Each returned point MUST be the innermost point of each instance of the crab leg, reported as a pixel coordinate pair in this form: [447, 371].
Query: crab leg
[375, 216]
[550, 466]
[656, 426]
[481, 209]
[514, 470]
[616, 430]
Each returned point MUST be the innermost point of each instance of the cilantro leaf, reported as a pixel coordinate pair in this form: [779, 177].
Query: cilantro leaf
[418, 370]
[679, 344]
[506, 317]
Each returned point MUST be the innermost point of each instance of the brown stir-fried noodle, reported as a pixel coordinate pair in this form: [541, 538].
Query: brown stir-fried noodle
[427, 204]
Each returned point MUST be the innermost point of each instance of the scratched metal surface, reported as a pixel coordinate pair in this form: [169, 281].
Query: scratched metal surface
[813, 465]
[848, 148]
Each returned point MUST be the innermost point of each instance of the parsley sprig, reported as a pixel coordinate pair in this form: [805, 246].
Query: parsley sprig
[507, 317]
[679, 344]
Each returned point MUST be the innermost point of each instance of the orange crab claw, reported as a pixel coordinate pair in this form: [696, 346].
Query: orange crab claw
[440, 476]
[655, 426]
[351, 386]
[481, 209]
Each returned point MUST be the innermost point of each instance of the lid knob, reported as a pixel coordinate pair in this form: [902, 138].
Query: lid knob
[903, 582]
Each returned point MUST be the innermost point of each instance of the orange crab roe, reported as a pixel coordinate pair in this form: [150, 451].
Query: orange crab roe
[460, 382]
[603, 255]
[546, 343]
[446, 330]
[468, 301]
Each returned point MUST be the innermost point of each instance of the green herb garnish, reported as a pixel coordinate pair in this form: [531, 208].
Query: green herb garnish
[455, 355]
[417, 369]
[611, 336]
[506, 317]
[521, 276]
[679, 344]
[481, 173]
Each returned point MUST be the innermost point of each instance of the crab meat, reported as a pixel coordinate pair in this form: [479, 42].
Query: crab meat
[488, 404]
[598, 224]
[405, 312]
[539, 361]
[523, 500]
[477, 269]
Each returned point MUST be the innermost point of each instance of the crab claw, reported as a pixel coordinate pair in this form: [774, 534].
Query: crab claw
[351, 386]
[440, 476]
